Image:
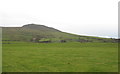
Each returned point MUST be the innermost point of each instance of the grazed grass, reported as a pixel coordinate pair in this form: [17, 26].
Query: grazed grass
[60, 57]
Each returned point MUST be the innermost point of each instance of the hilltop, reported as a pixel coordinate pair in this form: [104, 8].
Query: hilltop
[37, 33]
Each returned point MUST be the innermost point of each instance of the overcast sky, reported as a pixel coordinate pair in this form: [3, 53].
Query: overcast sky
[83, 17]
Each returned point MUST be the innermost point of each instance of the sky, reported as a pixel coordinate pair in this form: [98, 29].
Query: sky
[83, 17]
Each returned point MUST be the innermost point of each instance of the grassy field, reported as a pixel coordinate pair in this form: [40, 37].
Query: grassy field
[60, 57]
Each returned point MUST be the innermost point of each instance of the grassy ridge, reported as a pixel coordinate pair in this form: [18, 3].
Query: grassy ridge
[60, 57]
[30, 31]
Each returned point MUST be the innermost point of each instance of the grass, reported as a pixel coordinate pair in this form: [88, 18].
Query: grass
[60, 57]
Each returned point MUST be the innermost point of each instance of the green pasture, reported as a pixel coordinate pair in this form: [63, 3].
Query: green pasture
[60, 57]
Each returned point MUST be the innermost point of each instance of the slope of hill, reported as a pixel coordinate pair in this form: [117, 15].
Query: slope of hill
[33, 31]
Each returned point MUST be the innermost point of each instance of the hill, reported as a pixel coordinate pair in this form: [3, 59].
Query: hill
[41, 33]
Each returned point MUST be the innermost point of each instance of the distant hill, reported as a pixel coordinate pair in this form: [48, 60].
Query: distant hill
[37, 32]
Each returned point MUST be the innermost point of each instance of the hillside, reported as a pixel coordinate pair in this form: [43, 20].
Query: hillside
[36, 32]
